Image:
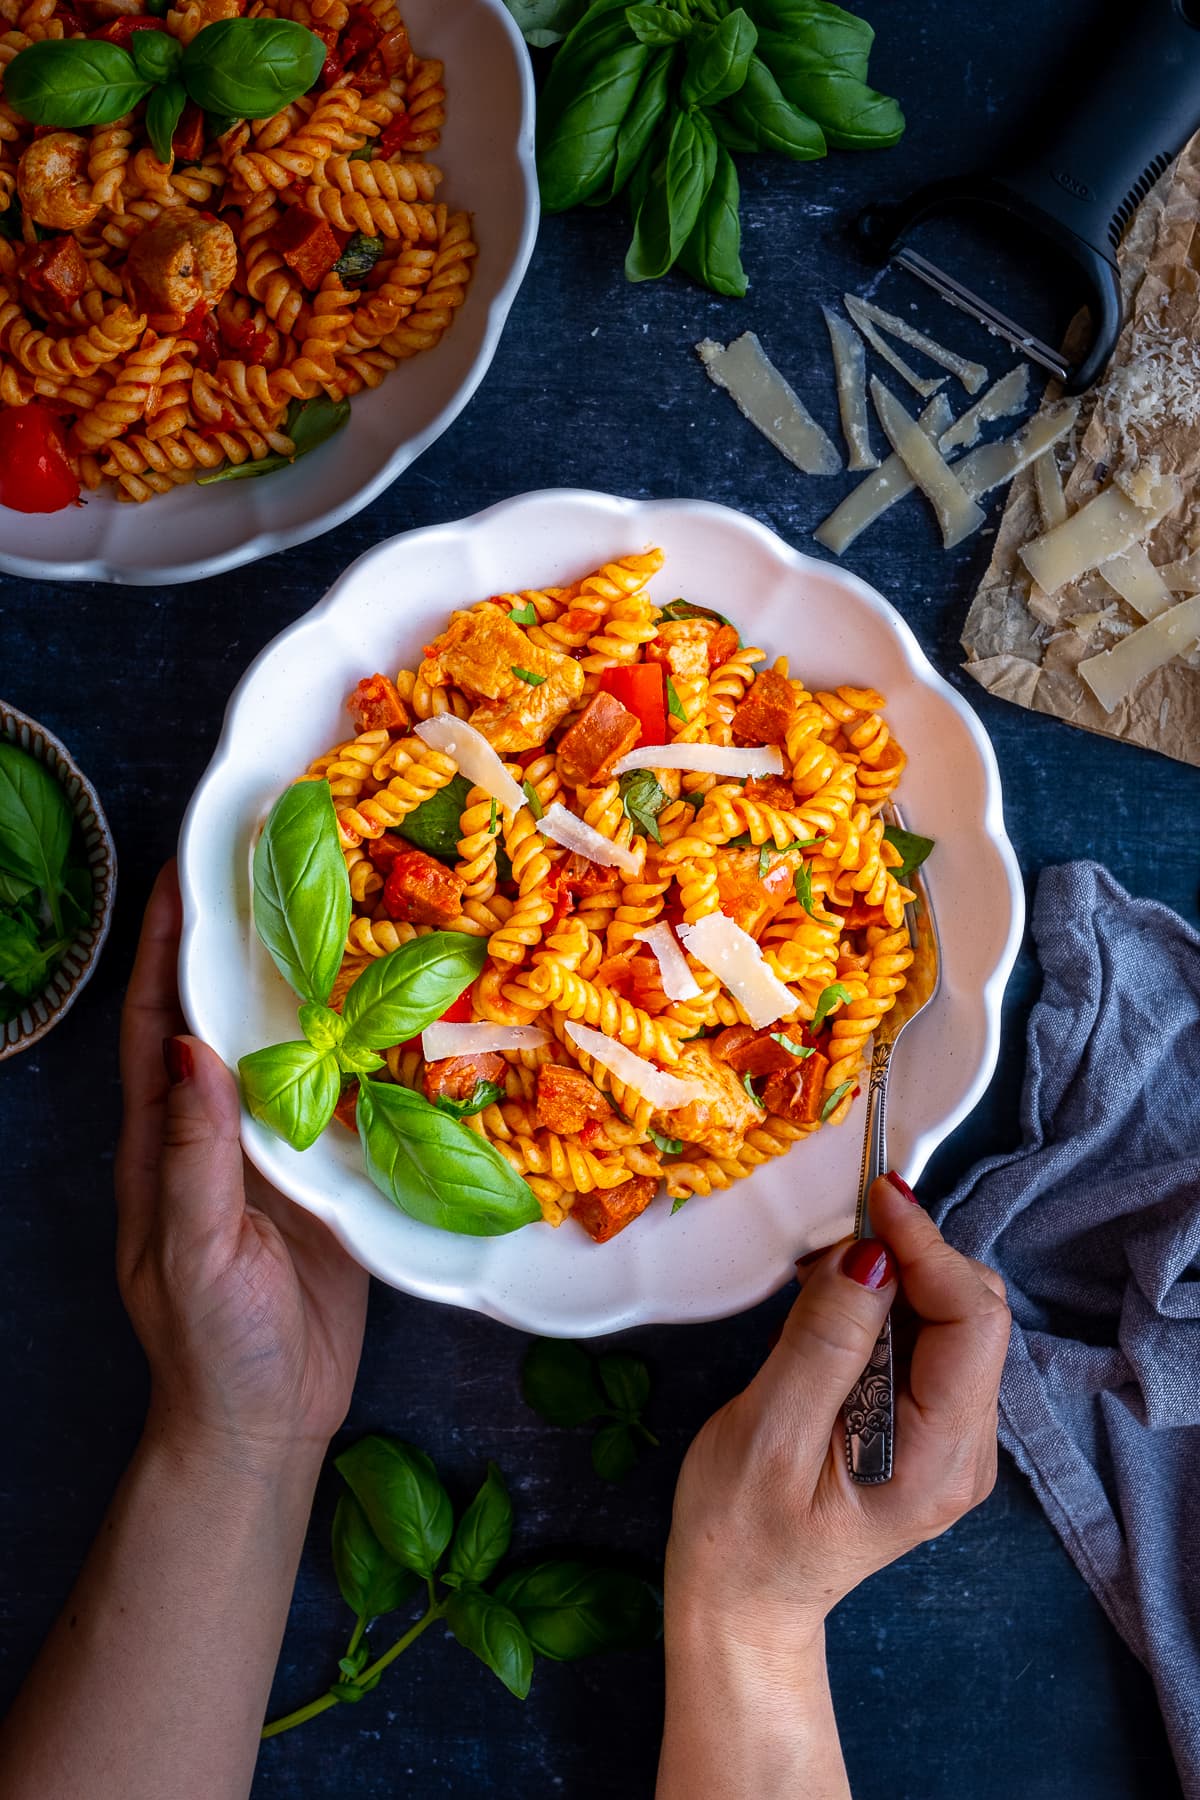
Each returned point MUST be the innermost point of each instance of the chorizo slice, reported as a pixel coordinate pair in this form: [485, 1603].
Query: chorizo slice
[567, 1100]
[603, 1213]
[420, 890]
[795, 1093]
[764, 715]
[375, 705]
[603, 731]
[457, 1077]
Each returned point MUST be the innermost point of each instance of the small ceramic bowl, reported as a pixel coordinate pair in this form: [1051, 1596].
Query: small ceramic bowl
[72, 974]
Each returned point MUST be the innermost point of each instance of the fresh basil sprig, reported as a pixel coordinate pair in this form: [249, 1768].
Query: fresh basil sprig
[566, 1386]
[302, 899]
[394, 1531]
[437, 1170]
[237, 68]
[913, 849]
[45, 883]
[643, 798]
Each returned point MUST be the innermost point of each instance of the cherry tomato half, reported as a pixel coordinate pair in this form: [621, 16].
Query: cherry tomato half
[35, 476]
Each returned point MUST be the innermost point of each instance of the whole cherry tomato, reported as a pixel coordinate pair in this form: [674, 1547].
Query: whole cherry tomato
[35, 476]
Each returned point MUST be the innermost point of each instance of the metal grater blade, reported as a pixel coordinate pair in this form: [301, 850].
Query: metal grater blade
[955, 294]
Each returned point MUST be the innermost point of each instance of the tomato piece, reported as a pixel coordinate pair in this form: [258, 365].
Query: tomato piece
[642, 690]
[187, 142]
[202, 328]
[248, 343]
[119, 31]
[35, 474]
[459, 1012]
[392, 140]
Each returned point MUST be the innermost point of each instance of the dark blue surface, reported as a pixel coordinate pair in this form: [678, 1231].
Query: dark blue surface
[980, 1664]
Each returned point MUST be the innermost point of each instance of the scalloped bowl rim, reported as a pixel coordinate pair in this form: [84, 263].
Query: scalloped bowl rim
[278, 1163]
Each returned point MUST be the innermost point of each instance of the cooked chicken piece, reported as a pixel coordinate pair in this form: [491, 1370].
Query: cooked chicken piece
[682, 644]
[181, 263]
[482, 653]
[53, 183]
[720, 1119]
[748, 898]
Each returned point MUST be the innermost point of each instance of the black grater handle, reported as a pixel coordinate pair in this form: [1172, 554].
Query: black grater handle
[1124, 109]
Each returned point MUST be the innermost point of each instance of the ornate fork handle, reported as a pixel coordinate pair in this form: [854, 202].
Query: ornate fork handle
[870, 1409]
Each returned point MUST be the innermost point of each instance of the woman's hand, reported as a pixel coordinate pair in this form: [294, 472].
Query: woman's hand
[249, 1311]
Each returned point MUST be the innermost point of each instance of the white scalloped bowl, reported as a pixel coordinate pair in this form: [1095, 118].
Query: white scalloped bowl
[721, 1253]
[486, 156]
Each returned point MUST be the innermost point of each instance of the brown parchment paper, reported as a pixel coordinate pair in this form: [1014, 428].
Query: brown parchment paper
[1020, 643]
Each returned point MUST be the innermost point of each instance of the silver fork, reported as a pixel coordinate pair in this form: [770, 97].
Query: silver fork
[870, 1411]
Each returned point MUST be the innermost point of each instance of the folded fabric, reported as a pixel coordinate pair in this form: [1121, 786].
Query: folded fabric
[1095, 1225]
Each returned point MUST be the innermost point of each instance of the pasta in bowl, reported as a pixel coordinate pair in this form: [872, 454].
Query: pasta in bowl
[190, 296]
[676, 926]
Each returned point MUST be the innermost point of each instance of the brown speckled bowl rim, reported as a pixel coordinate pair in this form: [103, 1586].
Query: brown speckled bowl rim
[45, 1010]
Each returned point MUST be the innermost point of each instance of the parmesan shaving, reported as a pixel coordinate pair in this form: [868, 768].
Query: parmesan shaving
[1114, 674]
[704, 759]
[665, 1092]
[751, 379]
[1182, 577]
[1104, 527]
[994, 464]
[1005, 397]
[971, 374]
[1048, 481]
[474, 756]
[921, 384]
[850, 373]
[872, 497]
[1138, 582]
[442, 1039]
[677, 979]
[957, 514]
[732, 955]
[559, 823]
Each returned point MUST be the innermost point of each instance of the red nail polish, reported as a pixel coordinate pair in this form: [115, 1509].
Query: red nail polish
[868, 1263]
[901, 1186]
[177, 1055]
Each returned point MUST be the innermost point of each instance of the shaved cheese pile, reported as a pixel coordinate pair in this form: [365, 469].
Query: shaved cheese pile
[665, 1092]
[1114, 674]
[736, 959]
[1159, 386]
[1111, 523]
[957, 514]
[751, 379]
[559, 823]
[971, 374]
[850, 373]
[704, 759]
[474, 755]
[442, 1039]
[677, 979]
[925, 385]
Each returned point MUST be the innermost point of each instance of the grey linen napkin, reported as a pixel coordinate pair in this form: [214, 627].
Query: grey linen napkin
[1095, 1225]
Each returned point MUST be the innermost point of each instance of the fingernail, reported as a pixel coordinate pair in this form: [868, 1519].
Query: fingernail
[901, 1186]
[810, 1256]
[177, 1055]
[868, 1263]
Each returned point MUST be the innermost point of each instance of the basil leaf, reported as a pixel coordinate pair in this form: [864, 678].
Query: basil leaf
[826, 1002]
[668, 1145]
[559, 1381]
[164, 109]
[484, 1532]
[535, 805]
[405, 1503]
[355, 1061]
[800, 1051]
[524, 615]
[485, 1626]
[24, 964]
[913, 849]
[292, 1089]
[826, 34]
[764, 859]
[437, 1170]
[681, 1201]
[851, 114]
[614, 1453]
[14, 888]
[323, 1027]
[713, 252]
[675, 192]
[674, 703]
[528, 675]
[251, 68]
[571, 1609]
[484, 1093]
[35, 814]
[546, 22]
[582, 106]
[657, 25]
[73, 82]
[638, 126]
[403, 992]
[370, 1581]
[765, 119]
[835, 1098]
[626, 1381]
[804, 890]
[156, 55]
[717, 59]
[687, 609]
[308, 423]
[642, 798]
[301, 890]
[359, 257]
[434, 825]
[748, 1084]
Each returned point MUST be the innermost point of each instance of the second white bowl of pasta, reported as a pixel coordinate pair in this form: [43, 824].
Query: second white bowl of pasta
[683, 1185]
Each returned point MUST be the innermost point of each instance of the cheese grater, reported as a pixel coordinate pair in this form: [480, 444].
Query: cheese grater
[1117, 123]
